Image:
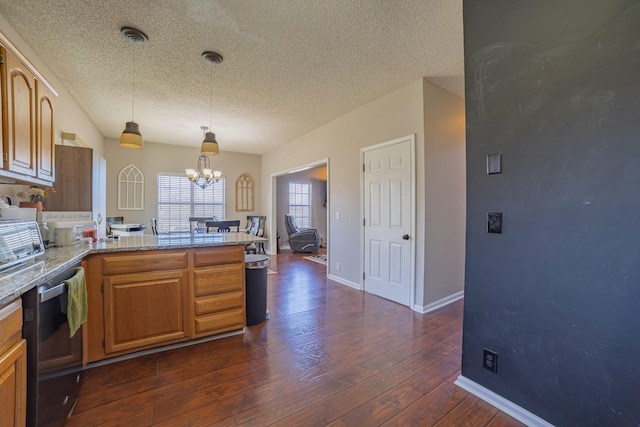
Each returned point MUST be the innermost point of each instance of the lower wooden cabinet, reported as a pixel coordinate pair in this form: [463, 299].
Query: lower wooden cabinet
[13, 367]
[146, 299]
[144, 309]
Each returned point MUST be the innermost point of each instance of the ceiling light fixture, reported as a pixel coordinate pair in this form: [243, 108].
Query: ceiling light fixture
[131, 137]
[209, 144]
[203, 175]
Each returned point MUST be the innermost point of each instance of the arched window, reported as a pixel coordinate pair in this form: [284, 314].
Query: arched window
[130, 189]
[244, 193]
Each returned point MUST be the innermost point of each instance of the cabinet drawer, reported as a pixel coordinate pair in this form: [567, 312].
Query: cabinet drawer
[218, 279]
[219, 303]
[137, 263]
[220, 255]
[220, 322]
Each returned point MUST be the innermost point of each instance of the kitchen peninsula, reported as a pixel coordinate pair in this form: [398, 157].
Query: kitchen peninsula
[149, 291]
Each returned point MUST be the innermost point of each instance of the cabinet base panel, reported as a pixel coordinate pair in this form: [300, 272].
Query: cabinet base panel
[163, 348]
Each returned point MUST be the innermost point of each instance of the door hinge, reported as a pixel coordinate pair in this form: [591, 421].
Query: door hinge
[102, 289]
[102, 343]
[363, 275]
[5, 158]
[364, 222]
[1, 59]
[363, 168]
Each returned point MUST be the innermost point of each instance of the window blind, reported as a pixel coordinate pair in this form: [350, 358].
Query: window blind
[179, 199]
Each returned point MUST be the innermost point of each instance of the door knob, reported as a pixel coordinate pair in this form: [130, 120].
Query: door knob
[405, 237]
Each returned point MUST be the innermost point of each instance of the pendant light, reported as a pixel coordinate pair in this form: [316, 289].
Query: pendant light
[204, 175]
[131, 136]
[209, 145]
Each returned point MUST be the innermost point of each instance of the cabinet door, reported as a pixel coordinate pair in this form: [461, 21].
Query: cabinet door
[73, 176]
[144, 310]
[13, 386]
[21, 142]
[45, 139]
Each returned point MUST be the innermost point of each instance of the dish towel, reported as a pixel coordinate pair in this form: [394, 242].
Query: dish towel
[77, 301]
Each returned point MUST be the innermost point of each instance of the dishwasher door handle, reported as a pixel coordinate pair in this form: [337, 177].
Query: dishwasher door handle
[51, 293]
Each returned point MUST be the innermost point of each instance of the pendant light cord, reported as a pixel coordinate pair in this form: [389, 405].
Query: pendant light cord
[133, 84]
[211, 101]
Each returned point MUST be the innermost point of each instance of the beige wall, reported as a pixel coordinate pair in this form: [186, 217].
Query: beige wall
[445, 193]
[391, 116]
[69, 117]
[419, 108]
[154, 158]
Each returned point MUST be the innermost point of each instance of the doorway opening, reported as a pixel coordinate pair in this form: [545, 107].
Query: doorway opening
[303, 192]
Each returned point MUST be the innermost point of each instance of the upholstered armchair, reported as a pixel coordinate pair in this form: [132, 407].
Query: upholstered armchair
[301, 239]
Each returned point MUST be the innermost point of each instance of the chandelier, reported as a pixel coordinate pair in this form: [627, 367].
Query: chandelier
[204, 175]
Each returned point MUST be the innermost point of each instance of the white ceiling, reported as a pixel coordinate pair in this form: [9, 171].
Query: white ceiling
[289, 66]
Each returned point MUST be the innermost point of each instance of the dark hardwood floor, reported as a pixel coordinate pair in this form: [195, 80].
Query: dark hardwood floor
[329, 356]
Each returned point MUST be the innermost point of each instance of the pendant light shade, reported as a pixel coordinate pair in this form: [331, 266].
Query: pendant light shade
[209, 146]
[131, 137]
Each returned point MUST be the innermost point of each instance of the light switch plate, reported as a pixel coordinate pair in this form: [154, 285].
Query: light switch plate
[494, 163]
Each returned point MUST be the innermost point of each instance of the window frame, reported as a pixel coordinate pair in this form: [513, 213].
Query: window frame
[298, 209]
[209, 205]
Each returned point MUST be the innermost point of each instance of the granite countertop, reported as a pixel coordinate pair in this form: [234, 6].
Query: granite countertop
[18, 280]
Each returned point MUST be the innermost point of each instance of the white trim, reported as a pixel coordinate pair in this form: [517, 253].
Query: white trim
[346, 282]
[412, 263]
[272, 221]
[438, 304]
[506, 406]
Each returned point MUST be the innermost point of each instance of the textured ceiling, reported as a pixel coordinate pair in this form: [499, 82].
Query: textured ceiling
[289, 65]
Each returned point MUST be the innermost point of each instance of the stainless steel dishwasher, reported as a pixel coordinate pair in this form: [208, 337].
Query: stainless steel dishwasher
[54, 360]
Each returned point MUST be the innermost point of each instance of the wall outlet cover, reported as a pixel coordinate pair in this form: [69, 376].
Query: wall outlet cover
[490, 360]
[494, 222]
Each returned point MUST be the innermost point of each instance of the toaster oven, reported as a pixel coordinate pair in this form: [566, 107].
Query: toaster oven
[19, 242]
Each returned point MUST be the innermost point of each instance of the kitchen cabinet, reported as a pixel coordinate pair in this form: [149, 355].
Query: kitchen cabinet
[28, 112]
[146, 299]
[20, 151]
[80, 172]
[144, 309]
[45, 137]
[13, 367]
[218, 290]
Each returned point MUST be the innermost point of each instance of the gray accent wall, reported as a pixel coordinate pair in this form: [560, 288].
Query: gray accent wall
[554, 86]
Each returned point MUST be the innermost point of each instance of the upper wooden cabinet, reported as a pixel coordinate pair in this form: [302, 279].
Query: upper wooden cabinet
[28, 129]
[20, 149]
[45, 138]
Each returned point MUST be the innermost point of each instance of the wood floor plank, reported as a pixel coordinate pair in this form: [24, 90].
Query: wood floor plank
[328, 355]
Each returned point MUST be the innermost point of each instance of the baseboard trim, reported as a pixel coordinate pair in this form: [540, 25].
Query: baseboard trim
[345, 282]
[438, 304]
[506, 406]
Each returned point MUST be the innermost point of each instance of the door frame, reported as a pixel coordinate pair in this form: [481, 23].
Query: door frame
[272, 219]
[412, 242]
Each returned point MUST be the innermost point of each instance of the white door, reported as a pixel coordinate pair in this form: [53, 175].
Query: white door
[388, 247]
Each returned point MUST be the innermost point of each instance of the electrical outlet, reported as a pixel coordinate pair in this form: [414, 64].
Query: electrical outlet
[490, 360]
[494, 222]
[337, 266]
